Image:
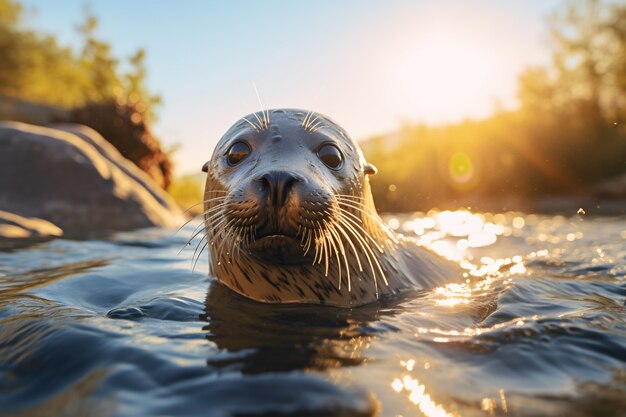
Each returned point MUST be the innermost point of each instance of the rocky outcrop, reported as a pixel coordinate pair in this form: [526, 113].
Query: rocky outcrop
[73, 178]
[123, 125]
[13, 226]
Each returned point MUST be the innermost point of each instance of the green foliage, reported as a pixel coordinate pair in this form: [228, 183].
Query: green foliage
[566, 136]
[34, 67]
[10, 12]
[187, 191]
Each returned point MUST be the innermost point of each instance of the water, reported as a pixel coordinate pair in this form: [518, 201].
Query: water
[121, 326]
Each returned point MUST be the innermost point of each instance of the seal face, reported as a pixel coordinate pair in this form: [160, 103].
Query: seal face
[289, 215]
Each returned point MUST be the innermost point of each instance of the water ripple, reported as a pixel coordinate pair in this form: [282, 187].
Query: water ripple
[122, 326]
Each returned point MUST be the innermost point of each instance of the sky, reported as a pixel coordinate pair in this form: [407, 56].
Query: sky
[370, 65]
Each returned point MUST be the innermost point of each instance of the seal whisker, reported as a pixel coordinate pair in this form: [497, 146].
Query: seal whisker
[220, 225]
[234, 243]
[356, 253]
[220, 198]
[250, 123]
[303, 233]
[219, 250]
[365, 232]
[241, 241]
[307, 245]
[310, 122]
[337, 238]
[226, 237]
[333, 246]
[197, 246]
[361, 224]
[199, 229]
[354, 198]
[199, 254]
[188, 221]
[266, 114]
[201, 202]
[213, 198]
[360, 241]
[224, 192]
[322, 246]
[211, 210]
[216, 220]
[248, 238]
[196, 230]
[355, 205]
[325, 247]
[321, 126]
[367, 249]
[317, 244]
[220, 202]
[305, 119]
[383, 226]
[335, 227]
[258, 120]
[365, 210]
[243, 244]
[315, 125]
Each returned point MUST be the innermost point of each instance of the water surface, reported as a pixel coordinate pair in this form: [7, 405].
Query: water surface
[122, 326]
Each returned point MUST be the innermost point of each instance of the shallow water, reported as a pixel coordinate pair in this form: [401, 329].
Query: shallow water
[122, 326]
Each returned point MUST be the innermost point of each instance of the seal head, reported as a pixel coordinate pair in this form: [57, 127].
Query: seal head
[289, 215]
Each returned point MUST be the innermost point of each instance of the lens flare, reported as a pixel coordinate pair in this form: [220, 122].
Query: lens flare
[461, 169]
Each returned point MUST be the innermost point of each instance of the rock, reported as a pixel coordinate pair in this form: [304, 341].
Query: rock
[123, 125]
[108, 151]
[13, 226]
[74, 179]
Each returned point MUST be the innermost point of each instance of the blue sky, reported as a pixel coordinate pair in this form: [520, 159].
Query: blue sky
[370, 65]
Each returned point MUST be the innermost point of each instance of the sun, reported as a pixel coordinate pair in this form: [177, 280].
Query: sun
[443, 78]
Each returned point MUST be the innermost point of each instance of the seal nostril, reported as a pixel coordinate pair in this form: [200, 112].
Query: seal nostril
[266, 184]
[278, 185]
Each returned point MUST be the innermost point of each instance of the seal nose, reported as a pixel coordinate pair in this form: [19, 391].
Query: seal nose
[278, 184]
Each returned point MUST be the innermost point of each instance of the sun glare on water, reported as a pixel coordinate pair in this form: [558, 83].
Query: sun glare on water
[454, 235]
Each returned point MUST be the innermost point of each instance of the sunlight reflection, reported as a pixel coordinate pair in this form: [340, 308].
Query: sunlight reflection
[454, 234]
[473, 231]
[417, 394]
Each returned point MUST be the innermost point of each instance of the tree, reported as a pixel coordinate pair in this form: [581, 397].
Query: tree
[34, 67]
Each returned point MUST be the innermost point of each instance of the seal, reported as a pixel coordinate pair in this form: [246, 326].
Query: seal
[289, 217]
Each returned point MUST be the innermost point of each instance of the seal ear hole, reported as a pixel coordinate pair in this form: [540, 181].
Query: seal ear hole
[237, 152]
[330, 155]
[370, 169]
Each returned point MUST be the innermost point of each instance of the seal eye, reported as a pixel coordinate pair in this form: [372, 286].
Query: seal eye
[331, 156]
[237, 152]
